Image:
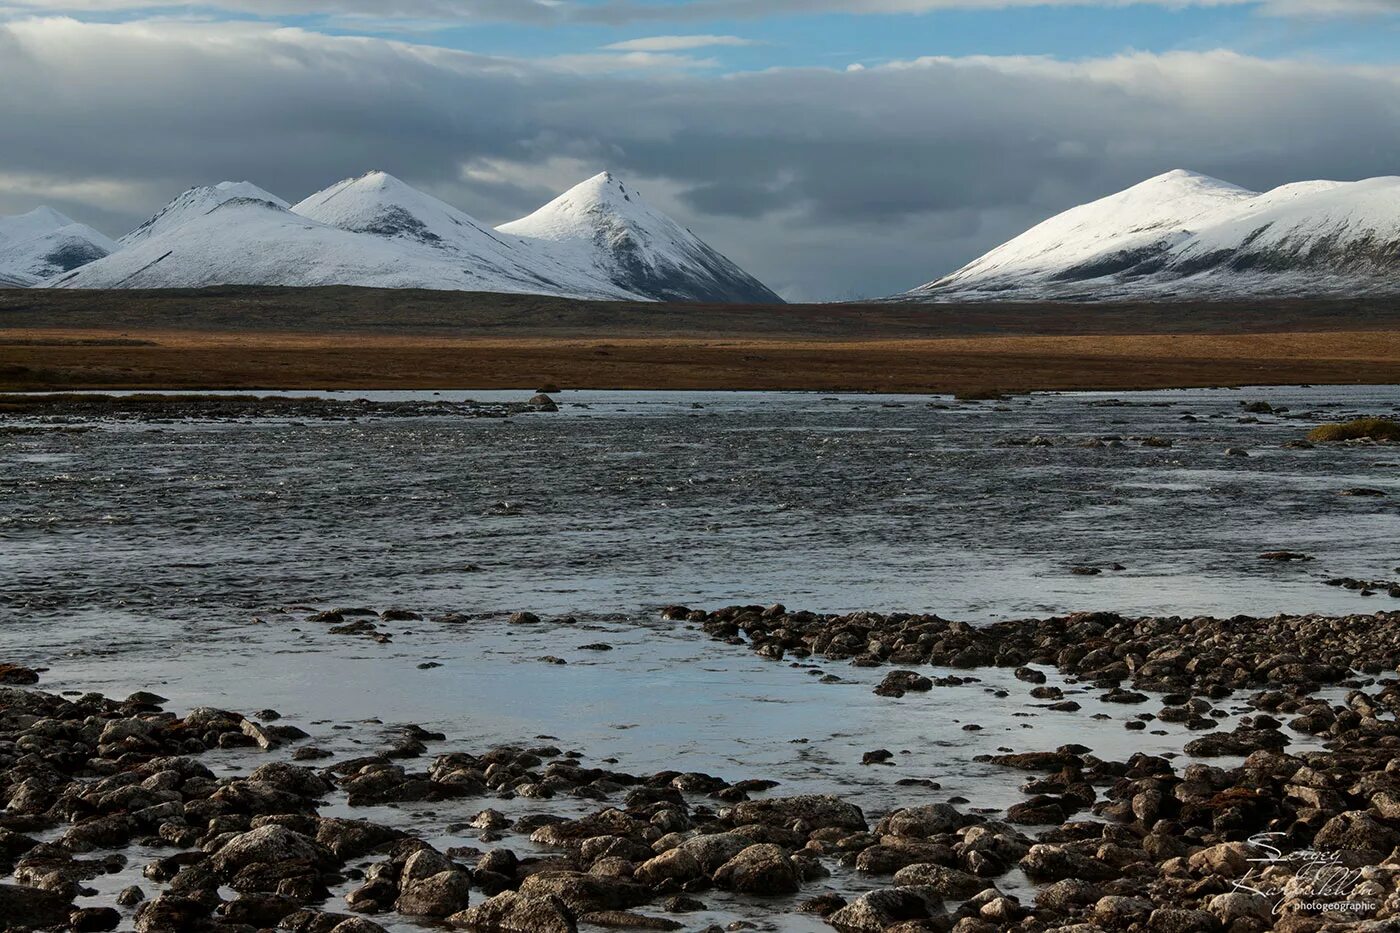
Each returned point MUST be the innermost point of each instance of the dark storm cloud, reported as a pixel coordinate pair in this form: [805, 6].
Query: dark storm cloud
[824, 183]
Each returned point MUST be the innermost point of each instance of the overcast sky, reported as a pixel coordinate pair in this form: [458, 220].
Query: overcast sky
[834, 148]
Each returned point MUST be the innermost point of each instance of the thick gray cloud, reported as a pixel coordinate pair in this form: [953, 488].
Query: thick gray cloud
[823, 183]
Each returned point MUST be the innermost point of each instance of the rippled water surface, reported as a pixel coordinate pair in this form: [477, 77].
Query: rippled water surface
[168, 555]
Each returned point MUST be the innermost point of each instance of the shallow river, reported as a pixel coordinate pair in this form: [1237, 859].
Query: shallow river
[164, 556]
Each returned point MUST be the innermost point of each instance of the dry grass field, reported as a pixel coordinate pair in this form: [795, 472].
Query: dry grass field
[268, 339]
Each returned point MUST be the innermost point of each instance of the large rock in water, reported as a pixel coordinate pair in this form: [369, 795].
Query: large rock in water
[876, 910]
[584, 893]
[928, 820]
[23, 907]
[810, 811]
[432, 885]
[271, 845]
[510, 912]
[759, 869]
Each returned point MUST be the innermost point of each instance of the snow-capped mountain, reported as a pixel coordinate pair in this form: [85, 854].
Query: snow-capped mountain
[605, 228]
[1184, 235]
[377, 231]
[380, 205]
[248, 241]
[196, 202]
[42, 243]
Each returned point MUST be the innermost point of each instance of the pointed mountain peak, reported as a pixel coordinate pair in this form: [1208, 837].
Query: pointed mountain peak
[378, 179]
[1186, 180]
[196, 202]
[602, 224]
[38, 222]
[246, 189]
[604, 188]
[381, 204]
[47, 215]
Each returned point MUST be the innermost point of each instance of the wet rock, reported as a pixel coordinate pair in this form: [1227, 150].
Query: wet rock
[1032, 761]
[1067, 894]
[1178, 920]
[762, 869]
[262, 735]
[584, 893]
[357, 925]
[811, 811]
[1241, 742]
[269, 845]
[258, 910]
[877, 757]
[19, 676]
[947, 883]
[823, 905]
[879, 910]
[1117, 912]
[94, 919]
[1050, 862]
[432, 885]
[897, 683]
[609, 822]
[924, 821]
[33, 908]
[627, 920]
[1357, 831]
[697, 857]
[1245, 906]
[894, 853]
[347, 839]
[173, 913]
[512, 912]
[1226, 860]
[1040, 810]
[680, 904]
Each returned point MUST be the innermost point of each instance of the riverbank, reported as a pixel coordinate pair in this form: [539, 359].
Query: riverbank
[123, 814]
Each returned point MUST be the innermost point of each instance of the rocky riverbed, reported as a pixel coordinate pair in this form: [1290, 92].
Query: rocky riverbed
[545, 839]
[39, 410]
[406, 662]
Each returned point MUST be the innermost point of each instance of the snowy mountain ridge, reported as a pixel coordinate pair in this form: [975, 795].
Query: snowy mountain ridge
[377, 231]
[1186, 235]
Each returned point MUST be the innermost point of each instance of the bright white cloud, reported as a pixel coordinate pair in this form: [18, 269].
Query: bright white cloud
[627, 61]
[677, 43]
[822, 181]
